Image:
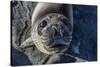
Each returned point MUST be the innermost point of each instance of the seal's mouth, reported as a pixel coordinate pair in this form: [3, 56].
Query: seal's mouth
[57, 45]
[57, 48]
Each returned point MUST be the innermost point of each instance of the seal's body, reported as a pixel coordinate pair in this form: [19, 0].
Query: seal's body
[51, 34]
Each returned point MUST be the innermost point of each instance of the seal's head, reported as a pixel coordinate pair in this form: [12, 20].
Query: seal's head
[53, 33]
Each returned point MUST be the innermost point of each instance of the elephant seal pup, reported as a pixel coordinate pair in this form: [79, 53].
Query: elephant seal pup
[52, 27]
[51, 34]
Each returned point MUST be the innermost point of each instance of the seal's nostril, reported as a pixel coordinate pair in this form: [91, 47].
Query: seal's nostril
[58, 30]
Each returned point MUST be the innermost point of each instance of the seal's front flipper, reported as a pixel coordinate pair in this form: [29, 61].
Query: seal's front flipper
[60, 58]
[63, 58]
[27, 43]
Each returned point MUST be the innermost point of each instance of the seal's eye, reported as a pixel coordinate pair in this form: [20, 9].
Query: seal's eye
[43, 23]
